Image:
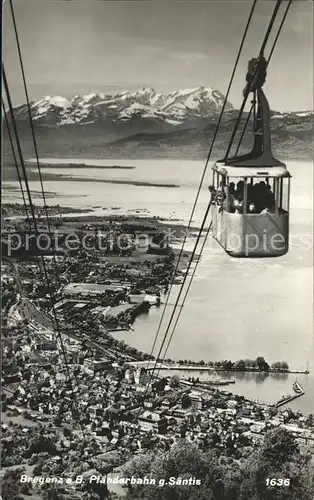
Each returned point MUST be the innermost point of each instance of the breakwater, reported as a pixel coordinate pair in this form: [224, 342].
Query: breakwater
[200, 368]
[206, 383]
[298, 392]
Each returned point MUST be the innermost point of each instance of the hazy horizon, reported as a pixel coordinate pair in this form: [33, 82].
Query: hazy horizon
[82, 47]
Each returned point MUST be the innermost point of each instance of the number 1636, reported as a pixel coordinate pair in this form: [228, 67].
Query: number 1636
[277, 482]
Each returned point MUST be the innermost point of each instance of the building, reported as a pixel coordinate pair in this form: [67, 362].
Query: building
[97, 365]
[46, 345]
[91, 289]
[125, 400]
[165, 405]
[129, 375]
[181, 414]
[7, 398]
[141, 376]
[185, 401]
[136, 298]
[196, 400]
[150, 421]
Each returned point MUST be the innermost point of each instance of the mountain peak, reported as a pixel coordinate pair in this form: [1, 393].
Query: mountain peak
[176, 107]
[151, 124]
[58, 101]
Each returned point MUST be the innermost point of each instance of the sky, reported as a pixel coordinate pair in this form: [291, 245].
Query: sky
[74, 47]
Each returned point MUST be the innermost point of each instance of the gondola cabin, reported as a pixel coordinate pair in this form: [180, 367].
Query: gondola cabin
[251, 217]
[250, 193]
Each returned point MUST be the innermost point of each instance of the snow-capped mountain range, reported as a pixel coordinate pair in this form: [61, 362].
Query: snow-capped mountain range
[174, 108]
[147, 123]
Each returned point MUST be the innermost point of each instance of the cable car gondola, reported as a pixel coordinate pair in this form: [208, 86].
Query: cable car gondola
[251, 192]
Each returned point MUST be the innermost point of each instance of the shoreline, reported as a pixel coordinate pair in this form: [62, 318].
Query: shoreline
[53, 210]
[168, 366]
[233, 370]
[9, 175]
[47, 164]
[71, 215]
[151, 223]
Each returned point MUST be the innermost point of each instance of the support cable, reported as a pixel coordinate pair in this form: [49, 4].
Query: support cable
[209, 205]
[32, 128]
[16, 164]
[208, 230]
[204, 170]
[55, 323]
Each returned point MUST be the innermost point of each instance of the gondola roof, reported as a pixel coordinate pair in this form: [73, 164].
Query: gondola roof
[242, 172]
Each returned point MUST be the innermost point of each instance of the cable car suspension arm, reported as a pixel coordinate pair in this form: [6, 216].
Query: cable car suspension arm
[268, 61]
[256, 76]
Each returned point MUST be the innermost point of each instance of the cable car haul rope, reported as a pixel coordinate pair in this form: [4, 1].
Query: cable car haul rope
[255, 79]
[32, 218]
[249, 196]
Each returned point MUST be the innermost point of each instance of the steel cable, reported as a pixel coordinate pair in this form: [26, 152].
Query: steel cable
[32, 128]
[208, 230]
[16, 164]
[55, 323]
[205, 169]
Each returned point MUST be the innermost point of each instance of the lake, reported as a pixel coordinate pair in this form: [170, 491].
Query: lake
[237, 308]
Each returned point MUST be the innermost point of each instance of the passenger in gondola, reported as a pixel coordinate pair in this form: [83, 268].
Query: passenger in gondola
[221, 196]
[268, 209]
[258, 197]
[221, 190]
[239, 191]
[238, 206]
[232, 188]
[250, 199]
[237, 200]
[252, 208]
[212, 191]
[230, 197]
[265, 210]
[269, 198]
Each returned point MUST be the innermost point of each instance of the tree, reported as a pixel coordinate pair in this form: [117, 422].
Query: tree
[284, 366]
[224, 480]
[148, 441]
[280, 366]
[240, 365]
[227, 365]
[310, 420]
[184, 461]
[53, 492]
[279, 446]
[41, 443]
[276, 365]
[67, 432]
[262, 364]
[96, 491]
[277, 458]
[11, 485]
[174, 381]
[218, 489]
[273, 411]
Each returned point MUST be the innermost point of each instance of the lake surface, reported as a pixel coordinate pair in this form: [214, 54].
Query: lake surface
[237, 308]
